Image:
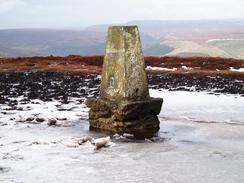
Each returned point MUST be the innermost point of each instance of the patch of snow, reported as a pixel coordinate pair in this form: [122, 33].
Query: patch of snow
[236, 70]
[186, 68]
[161, 68]
[99, 77]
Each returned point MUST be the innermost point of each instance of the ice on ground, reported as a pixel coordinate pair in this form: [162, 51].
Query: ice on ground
[200, 140]
[201, 107]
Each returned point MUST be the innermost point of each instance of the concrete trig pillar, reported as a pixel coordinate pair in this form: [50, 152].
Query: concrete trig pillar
[124, 104]
[123, 74]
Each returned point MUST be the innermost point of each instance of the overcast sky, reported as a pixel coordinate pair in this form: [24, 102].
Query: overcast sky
[80, 13]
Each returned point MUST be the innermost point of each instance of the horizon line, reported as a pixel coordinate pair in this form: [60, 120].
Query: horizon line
[131, 21]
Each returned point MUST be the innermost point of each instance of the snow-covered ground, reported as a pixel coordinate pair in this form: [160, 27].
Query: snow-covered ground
[161, 68]
[200, 140]
[237, 70]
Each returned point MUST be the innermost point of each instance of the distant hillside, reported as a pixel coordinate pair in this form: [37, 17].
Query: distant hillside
[234, 47]
[158, 49]
[159, 38]
[41, 42]
[190, 29]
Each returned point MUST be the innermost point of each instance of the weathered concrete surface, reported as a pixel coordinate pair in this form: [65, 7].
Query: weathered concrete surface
[124, 104]
[123, 74]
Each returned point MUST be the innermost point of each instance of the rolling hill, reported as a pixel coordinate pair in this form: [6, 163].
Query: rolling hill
[42, 42]
[234, 47]
[159, 38]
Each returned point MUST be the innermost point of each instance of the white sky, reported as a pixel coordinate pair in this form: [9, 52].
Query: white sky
[80, 13]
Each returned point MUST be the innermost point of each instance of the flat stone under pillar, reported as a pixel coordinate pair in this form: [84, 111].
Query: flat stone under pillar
[124, 105]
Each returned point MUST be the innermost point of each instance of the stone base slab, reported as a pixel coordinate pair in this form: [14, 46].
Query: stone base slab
[136, 117]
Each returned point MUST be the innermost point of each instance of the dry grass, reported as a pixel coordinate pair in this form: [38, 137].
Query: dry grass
[93, 64]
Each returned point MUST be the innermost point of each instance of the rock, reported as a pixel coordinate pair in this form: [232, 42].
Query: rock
[71, 145]
[52, 122]
[29, 119]
[61, 119]
[155, 105]
[102, 142]
[131, 109]
[99, 114]
[4, 169]
[137, 117]
[100, 108]
[19, 109]
[10, 156]
[39, 143]
[40, 120]
[2, 100]
[98, 105]
[84, 139]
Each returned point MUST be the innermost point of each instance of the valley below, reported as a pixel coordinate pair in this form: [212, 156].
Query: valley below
[215, 38]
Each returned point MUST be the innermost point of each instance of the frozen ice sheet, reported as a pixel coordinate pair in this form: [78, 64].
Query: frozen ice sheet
[195, 144]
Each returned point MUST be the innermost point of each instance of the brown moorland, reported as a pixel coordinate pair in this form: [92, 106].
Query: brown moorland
[93, 65]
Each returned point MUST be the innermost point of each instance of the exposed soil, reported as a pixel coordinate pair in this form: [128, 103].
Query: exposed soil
[213, 84]
[45, 86]
[59, 86]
